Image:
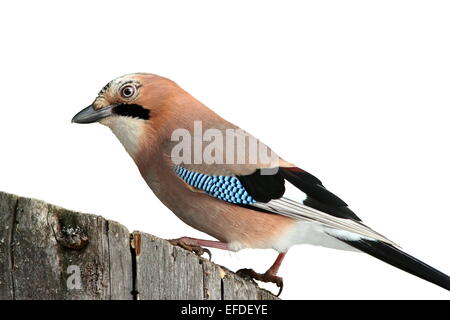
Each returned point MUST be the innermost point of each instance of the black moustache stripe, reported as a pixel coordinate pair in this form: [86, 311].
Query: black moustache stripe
[132, 110]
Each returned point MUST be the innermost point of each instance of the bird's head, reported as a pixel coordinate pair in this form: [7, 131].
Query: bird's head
[129, 106]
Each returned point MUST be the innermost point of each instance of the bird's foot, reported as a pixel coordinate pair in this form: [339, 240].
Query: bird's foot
[183, 243]
[264, 277]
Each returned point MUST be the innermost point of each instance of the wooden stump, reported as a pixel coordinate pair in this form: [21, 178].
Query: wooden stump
[47, 252]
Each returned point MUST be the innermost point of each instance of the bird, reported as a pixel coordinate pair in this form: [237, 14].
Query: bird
[222, 181]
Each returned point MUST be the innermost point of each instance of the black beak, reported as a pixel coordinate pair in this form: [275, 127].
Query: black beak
[90, 115]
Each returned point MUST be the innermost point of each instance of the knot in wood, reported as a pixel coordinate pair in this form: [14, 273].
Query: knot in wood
[72, 237]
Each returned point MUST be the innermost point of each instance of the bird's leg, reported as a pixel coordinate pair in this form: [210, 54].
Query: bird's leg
[269, 276]
[196, 245]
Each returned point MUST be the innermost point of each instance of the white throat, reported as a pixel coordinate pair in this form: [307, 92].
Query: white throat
[127, 130]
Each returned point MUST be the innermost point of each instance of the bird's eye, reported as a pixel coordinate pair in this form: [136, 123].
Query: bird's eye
[127, 91]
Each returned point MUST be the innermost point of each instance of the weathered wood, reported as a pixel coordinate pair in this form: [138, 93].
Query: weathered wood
[8, 205]
[167, 272]
[44, 245]
[121, 266]
[47, 252]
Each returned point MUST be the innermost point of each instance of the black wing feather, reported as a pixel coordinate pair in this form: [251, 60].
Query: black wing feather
[318, 196]
[264, 188]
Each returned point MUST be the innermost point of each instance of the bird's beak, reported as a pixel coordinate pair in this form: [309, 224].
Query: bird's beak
[90, 115]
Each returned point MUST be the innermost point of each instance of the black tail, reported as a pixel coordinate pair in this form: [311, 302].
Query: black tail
[401, 260]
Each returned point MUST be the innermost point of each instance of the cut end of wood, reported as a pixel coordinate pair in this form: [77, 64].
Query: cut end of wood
[54, 253]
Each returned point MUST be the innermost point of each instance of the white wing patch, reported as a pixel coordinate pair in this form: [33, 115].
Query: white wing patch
[294, 193]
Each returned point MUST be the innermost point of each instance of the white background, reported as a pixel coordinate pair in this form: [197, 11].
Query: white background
[356, 92]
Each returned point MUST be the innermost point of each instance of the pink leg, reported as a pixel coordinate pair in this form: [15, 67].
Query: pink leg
[276, 265]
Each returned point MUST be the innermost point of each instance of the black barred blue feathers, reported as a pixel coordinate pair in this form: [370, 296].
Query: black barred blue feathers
[226, 188]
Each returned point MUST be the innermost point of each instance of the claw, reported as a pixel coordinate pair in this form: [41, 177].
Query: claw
[281, 287]
[208, 253]
[199, 251]
[264, 277]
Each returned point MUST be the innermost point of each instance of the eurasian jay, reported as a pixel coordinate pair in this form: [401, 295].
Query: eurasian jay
[224, 182]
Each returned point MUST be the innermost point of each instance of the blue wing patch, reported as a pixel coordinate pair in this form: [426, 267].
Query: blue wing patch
[225, 188]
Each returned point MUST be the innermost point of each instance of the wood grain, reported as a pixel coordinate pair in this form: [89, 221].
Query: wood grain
[42, 246]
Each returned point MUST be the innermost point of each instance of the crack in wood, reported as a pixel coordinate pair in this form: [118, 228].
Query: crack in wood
[135, 249]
